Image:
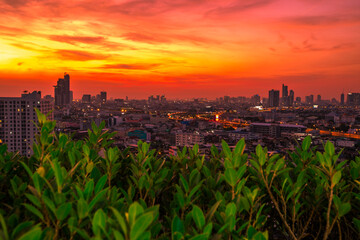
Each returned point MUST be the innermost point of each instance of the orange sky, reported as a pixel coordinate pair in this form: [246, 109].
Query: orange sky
[180, 48]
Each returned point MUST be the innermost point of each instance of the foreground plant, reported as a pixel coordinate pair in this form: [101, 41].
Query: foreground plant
[92, 190]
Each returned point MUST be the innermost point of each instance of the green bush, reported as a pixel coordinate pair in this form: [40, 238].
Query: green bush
[90, 190]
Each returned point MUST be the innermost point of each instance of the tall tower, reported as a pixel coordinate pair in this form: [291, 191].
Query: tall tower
[291, 98]
[285, 95]
[284, 91]
[103, 96]
[342, 99]
[62, 91]
[274, 97]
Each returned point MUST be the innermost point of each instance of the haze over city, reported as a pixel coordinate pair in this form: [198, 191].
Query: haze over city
[181, 48]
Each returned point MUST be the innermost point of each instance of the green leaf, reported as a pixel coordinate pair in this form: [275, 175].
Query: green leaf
[49, 203]
[195, 189]
[231, 176]
[230, 209]
[99, 221]
[100, 184]
[4, 228]
[251, 232]
[97, 199]
[344, 209]
[240, 146]
[86, 150]
[34, 210]
[135, 210]
[58, 174]
[198, 217]
[212, 211]
[141, 224]
[33, 234]
[63, 211]
[226, 149]
[336, 178]
[245, 203]
[177, 228]
[203, 236]
[82, 208]
[329, 148]
[306, 143]
[120, 220]
[34, 200]
[118, 235]
[19, 228]
[89, 167]
[184, 183]
[357, 223]
[89, 187]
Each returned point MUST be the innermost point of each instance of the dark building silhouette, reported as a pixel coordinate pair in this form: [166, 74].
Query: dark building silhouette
[342, 99]
[86, 98]
[274, 97]
[318, 100]
[103, 96]
[291, 98]
[353, 99]
[62, 91]
[309, 99]
[285, 95]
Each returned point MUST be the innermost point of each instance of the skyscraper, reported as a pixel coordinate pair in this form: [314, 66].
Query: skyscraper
[103, 97]
[291, 98]
[353, 99]
[318, 100]
[62, 91]
[17, 115]
[285, 96]
[309, 99]
[342, 99]
[274, 96]
[284, 91]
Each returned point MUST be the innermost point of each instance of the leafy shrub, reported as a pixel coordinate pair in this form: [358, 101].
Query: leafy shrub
[90, 190]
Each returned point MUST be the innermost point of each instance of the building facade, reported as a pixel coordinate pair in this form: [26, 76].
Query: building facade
[62, 93]
[17, 117]
[274, 98]
[188, 139]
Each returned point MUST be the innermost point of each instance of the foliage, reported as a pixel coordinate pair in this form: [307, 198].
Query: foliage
[91, 190]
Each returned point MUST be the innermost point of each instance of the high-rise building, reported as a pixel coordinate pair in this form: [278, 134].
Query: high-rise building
[309, 99]
[86, 98]
[291, 98]
[255, 99]
[103, 96]
[342, 99]
[284, 91]
[62, 91]
[285, 95]
[353, 99]
[17, 115]
[318, 100]
[274, 96]
[298, 99]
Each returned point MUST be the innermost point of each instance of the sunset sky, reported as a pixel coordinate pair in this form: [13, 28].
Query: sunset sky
[180, 48]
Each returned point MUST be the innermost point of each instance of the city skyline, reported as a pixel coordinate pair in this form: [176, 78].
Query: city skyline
[181, 48]
[64, 96]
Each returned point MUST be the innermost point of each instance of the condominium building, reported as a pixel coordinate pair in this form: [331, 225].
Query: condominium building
[17, 117]
[189, 139]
